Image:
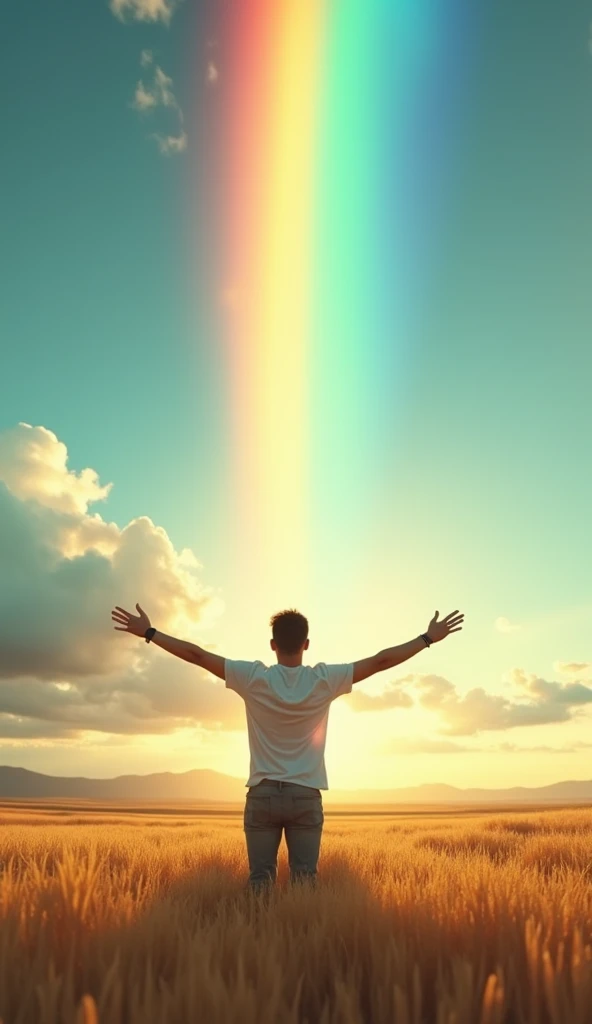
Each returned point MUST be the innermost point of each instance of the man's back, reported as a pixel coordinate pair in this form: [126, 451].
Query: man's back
[287, 713]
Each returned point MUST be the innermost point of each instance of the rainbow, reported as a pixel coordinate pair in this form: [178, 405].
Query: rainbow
[329, 169]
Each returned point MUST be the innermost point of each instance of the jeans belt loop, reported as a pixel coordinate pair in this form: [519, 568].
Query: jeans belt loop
[281, 784]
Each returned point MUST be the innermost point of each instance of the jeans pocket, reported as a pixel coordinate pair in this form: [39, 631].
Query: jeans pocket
[307, 811]
[257, 811]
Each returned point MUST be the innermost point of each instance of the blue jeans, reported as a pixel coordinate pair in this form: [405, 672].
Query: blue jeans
[270, 807]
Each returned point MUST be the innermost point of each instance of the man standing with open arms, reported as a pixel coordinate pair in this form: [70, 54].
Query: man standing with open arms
[287, 707]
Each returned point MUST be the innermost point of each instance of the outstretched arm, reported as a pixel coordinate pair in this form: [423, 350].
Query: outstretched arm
[138, 624]
[392, 656]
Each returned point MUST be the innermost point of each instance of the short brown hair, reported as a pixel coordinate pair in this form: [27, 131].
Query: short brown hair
[290, 630]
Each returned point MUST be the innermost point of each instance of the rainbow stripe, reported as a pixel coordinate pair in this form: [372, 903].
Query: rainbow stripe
[336, 129]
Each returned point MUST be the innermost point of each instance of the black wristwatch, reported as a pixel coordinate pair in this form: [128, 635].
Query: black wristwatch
[149, 633]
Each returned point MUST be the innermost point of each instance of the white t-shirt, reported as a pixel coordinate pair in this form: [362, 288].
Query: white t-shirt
[287, 714]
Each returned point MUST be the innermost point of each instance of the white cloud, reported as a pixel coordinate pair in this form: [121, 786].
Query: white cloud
[404, 745]
[144, 10]
[163, 88]
[33, 464]
[513, 748]
[64, 668]
[143, 99]
[533, 701]
[573, 667]
[212, 73]
[537, 702]
[421, 745]
[504, 625]
[155, 698]
[160, 93]
[169, 144]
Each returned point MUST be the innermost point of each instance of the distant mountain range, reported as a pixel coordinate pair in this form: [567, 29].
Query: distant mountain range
[199, 784]
[202, 785]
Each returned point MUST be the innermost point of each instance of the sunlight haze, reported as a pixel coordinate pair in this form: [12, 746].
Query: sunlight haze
[346, 371]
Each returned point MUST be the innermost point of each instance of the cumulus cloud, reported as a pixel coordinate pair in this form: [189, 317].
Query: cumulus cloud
[153, 697]
[212, 73]
[531, 701]
[559, 694]
[65, 671]
[146, 58]
[144, 10]
[504, 625]
[538, 702]
[63, 667]
[33, 465]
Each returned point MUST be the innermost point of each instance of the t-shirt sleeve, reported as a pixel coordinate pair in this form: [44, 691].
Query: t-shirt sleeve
[340, 679]
[238, 674]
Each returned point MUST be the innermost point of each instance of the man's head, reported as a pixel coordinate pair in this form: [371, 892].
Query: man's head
[290, 636]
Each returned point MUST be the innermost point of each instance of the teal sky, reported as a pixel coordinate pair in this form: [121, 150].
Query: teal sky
[486, 508]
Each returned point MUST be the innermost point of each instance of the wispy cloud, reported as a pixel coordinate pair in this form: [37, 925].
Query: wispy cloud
[163, 88]
[573, 667]
[427, 745]
[169, 144]
[144, 10]
[405, 745]
[160, 93]
[391, 697]
[148, 98]
[143, 99]
[513, 748]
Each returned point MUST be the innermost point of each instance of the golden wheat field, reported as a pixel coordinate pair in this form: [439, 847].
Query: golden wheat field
[140, 916]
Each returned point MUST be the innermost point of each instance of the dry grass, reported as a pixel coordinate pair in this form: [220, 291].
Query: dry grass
[137, 918]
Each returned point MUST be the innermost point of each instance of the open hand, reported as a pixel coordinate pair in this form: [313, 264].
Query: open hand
[439, 630]
[136, 624]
